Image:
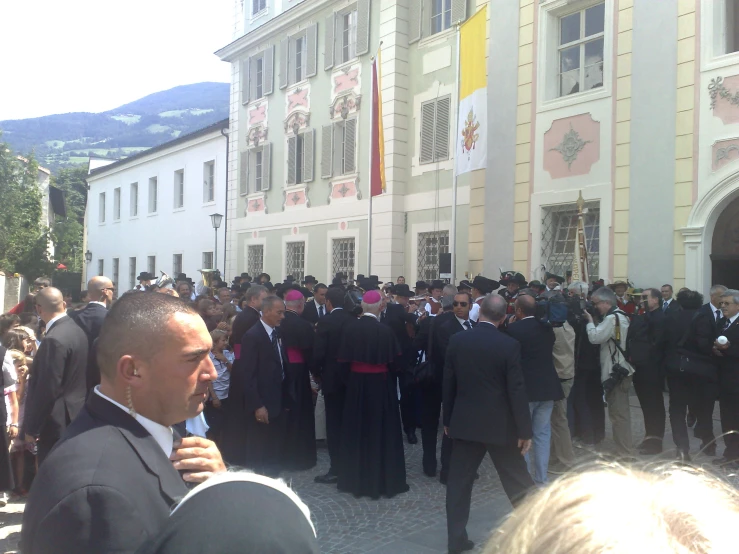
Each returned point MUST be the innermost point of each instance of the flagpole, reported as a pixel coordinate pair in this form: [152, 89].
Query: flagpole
[376, 75]
[453, 232]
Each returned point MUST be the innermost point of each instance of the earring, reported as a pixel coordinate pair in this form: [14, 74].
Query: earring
[131, 409]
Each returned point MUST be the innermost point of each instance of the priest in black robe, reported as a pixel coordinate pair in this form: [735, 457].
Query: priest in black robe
[298, 338]
[371, 461]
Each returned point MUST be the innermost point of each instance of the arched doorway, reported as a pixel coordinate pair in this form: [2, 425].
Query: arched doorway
[725, 247]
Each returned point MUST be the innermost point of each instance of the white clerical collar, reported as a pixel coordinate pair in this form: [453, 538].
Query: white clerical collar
[53, 320]
[96, 302]
[161, 434]
[367, 314]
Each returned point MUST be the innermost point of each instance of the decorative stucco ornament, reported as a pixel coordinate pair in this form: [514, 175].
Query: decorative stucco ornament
[570, 146]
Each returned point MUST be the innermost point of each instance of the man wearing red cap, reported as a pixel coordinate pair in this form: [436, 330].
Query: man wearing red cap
[371, 461]
[298, 338]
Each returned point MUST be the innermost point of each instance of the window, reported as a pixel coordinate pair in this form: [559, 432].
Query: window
[209, 181]
[101, 267]
[434, 143]
[339, 148]
[153, 195]
[257, 80]
[131, 273]
[176, 264]
[726, 17]
[295, 260]
[179, 188]
[441, 15]
[558, 235]
[255, 259]
[298, 56]
[581, 50]
[134, 199]
[116, 267]
[151, 265]
[101, 208]
[343, 257]
[300, 157]
[116, 204]
[346, 34]
[257, 6]
[207, 260]
[255, 174]
[430, 245]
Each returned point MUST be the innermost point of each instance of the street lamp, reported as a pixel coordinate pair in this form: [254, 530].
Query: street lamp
[88, 256]
[215, 220]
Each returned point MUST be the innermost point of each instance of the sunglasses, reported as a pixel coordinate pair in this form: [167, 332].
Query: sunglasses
[463, 304]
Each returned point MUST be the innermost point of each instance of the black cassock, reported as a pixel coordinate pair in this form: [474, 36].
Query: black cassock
[371, 461]
[298, 338]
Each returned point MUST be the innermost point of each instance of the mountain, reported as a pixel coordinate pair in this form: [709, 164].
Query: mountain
[69, 139]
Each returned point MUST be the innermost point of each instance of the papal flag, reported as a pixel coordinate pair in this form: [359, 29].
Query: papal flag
[471, 139]
[580, 259]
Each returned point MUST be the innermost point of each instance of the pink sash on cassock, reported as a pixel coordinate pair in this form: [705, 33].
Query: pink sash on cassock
[295, 356]
[237, 351]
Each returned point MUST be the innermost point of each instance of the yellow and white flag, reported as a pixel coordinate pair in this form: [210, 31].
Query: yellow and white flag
[471, 139]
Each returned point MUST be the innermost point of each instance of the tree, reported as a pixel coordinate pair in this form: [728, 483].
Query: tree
[68, 232]
[23, 238]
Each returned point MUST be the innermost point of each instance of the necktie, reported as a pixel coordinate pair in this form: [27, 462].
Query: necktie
[664, 306]
[727, 324]
[467, 325]
[276, 346]
[320, 311]
[718, 315]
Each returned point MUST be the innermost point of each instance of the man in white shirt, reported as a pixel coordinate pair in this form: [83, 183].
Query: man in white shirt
[481, 287]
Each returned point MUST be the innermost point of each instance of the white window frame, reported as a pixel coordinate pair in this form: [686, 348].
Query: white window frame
[151, 265]
[713, 26]
[341, 32]
[345, 234]
[446, 8]
[117, 204]
[209, 182]
[101, 208]
[548, 65]
[207, 256]
[261, 5]
[253, 271]
[115, 272]
[580, 43]
[436, 140]
[101, 267]
[175, 269]
[153, 195]
[133, 200]
[132, 272]
[299, 275]
[179, 189]
[304, 238]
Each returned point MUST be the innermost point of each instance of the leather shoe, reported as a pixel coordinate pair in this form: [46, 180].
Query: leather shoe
[682, 457]
[708, 449]
[412, 439]
[327, 479]
[725, 462]
[429, 471]
[650, 448]
[464, 547]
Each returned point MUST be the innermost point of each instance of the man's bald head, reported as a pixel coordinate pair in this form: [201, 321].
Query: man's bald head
[50, 301]
[97, 286]
[136, 325]
[527, 305]
[493, 308]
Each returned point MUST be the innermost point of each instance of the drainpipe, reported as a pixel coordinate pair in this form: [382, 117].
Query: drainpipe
[225, 212]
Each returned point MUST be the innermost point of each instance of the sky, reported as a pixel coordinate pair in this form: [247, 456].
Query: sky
[60, 56]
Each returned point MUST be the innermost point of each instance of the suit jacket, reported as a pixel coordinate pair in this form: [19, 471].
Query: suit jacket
[648, 345]
[310, 312]
[729, 361]
[326, 348]
[244, 321]
[706, 310]
[396, 317]
[90, 319]
[673, 307]
[484, 395]
[444, 328]
[537, 359]
[263, 374]
[57, 386]
[106, 487]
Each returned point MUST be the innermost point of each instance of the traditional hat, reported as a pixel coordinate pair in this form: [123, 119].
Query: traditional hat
[309, 280]
[464, 285]
[371, 297]
[557, 278]
[484, 285]
[536, 285]
[289, 279]
[436, 284]
[245, 276]
[613, 286]
[368, 283]
[180, 277]
[264, 275]
[402, 290]
[421, 285]
[511, 277]
[375, 278]
[145, 276]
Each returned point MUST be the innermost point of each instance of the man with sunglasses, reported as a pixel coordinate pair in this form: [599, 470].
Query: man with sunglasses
[100, 291]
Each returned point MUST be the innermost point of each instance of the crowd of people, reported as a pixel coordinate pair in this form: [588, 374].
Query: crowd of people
[115, 406]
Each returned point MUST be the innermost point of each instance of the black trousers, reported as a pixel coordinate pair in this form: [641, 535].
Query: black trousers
[265, 445]
[652, 403]
[430, 415]
[215, 417]
[729, 409]
[587, 403]
[699, 396]
[407, 403]
[334, 403]
[466, 459]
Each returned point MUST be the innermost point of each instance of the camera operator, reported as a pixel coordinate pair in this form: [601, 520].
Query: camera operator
[587, 391]
[615, 370]
[647, 352]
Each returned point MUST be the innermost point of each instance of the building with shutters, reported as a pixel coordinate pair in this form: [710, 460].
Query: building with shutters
[299, 145]
[151, 211]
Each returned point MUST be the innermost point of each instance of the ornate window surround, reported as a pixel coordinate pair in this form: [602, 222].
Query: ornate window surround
[712, 19]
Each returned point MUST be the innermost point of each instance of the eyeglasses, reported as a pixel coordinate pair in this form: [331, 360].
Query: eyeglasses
[725, 303]
[463, 304]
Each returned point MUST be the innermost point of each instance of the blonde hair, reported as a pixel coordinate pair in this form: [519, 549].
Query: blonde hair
[673, 510]
[216, 334]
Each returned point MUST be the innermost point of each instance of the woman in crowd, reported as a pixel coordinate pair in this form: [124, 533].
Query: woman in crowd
[8, 322]
[9, 417]
[21, 453]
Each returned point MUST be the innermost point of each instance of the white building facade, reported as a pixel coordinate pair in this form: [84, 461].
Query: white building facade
[151, 211]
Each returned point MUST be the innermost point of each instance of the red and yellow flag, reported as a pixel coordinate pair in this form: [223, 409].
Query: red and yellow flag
[377, 161]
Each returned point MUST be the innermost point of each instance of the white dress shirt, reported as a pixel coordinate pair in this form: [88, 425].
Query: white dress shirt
[462, 323]
[103, 304]
[161, 434]
[52, 321]
[475, 310]
[714, 309]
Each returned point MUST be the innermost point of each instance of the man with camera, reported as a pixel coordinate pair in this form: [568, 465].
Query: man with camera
[616, 372]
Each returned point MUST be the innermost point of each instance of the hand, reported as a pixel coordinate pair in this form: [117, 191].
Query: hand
[512, 319]
[718, 346]
[198, 457]
[524, 445]
[588, 316]
[30, 439]
[446, 430]
[12, 432]
[223, 326]
[262, 415]
[216, 403]
[220, 357]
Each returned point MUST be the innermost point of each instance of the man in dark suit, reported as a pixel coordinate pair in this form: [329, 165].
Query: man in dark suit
[316, 309]
[729, 378]
[90, 319]
[111, 481]
[542, 382]
[266, 390]
[485, 410]
[245, 320]
[713, 308]
[57, 386]
[332, 373]
[669, 304]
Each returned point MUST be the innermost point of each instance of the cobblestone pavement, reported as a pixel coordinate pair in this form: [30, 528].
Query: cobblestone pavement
[410, 523]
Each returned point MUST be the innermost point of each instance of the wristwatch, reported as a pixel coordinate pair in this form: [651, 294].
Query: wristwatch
[13, 425]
